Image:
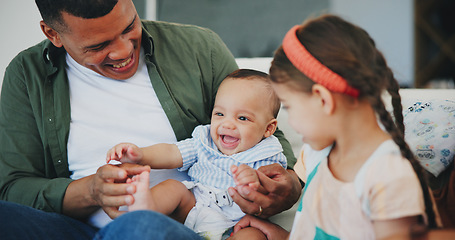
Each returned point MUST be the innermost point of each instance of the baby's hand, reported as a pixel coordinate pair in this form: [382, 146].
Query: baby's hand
[245, 175]
[125, 153]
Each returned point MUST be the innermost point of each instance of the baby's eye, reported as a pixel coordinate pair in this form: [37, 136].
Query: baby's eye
[242, 118]
[219, 114]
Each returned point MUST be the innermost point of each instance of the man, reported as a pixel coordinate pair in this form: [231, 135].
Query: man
[103, 76]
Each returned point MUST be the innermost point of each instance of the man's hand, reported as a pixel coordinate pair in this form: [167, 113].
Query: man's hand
[282, 191]
[107, 189]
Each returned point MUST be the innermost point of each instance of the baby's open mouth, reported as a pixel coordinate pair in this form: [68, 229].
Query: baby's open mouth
[229, 140]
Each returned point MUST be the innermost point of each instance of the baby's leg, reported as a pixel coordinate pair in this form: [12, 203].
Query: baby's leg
[173, 199]
[169, 197]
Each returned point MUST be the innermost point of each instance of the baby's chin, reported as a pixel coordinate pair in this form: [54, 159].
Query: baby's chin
[228, 152]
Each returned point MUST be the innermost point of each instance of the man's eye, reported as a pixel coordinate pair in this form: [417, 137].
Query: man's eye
[129, 29]
[97, 48]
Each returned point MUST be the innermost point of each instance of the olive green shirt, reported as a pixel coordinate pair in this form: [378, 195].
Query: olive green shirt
[186, 64]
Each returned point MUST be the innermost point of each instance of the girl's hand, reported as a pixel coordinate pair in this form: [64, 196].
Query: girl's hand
[125, 153]
[271, 230]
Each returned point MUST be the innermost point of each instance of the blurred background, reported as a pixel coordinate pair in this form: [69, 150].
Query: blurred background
[417, 37]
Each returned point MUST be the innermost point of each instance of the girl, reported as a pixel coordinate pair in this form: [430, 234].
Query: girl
[362, 182]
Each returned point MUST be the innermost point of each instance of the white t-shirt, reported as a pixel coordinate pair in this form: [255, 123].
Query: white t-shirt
[105, 112]
[386, 187]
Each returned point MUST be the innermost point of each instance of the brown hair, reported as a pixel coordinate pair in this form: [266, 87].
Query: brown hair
[350, 52]
[262, 76]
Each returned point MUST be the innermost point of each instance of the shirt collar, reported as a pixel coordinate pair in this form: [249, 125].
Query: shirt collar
[147, 44]
[52, 56]
[264, 149]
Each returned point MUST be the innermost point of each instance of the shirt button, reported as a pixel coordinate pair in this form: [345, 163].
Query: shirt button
[59, 161]
[50, 119]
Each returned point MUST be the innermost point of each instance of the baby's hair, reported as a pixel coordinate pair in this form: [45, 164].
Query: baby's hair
[262, 76]
[351, 53]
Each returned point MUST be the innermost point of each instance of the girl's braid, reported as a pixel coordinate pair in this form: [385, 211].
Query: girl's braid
[396, 130]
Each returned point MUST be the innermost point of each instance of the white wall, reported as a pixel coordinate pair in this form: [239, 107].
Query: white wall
[20, 29]
[150, 12]
[391, 24]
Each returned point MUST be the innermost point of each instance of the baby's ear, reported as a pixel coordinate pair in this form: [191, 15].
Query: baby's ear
[271, 127]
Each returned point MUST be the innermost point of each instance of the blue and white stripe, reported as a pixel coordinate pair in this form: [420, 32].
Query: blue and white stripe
[207, 165]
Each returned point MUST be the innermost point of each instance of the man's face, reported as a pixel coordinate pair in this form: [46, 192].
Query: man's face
[108, 45]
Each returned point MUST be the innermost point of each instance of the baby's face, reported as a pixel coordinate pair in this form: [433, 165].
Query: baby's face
[241, 115]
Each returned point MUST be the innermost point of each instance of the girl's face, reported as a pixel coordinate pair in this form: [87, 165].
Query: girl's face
[305, 114]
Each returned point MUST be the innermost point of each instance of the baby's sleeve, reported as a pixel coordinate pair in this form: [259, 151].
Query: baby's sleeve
[189, 153]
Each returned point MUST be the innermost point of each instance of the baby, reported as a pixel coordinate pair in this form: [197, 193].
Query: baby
[218, 156]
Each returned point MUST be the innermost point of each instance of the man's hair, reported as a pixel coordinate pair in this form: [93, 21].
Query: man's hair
[258, 75]
[51, 10]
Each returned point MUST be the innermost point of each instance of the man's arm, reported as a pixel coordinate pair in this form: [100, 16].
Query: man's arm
[27, 172]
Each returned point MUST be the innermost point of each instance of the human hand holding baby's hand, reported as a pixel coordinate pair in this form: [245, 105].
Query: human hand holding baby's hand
[125, 153]
[245, 175]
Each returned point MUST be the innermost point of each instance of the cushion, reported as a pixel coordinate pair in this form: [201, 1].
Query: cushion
[430, 132]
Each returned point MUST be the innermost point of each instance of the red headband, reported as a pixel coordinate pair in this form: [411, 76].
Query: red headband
[311, 67]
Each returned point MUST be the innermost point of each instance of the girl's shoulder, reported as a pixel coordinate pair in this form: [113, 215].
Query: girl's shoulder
[386, 164]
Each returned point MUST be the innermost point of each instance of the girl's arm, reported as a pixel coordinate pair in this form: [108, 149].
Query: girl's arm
[394, 229]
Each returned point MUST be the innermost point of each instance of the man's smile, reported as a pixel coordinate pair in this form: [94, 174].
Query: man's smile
[123, 64]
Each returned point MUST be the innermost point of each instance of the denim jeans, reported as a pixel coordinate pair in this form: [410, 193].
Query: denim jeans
[22, 222]
[146, 225]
